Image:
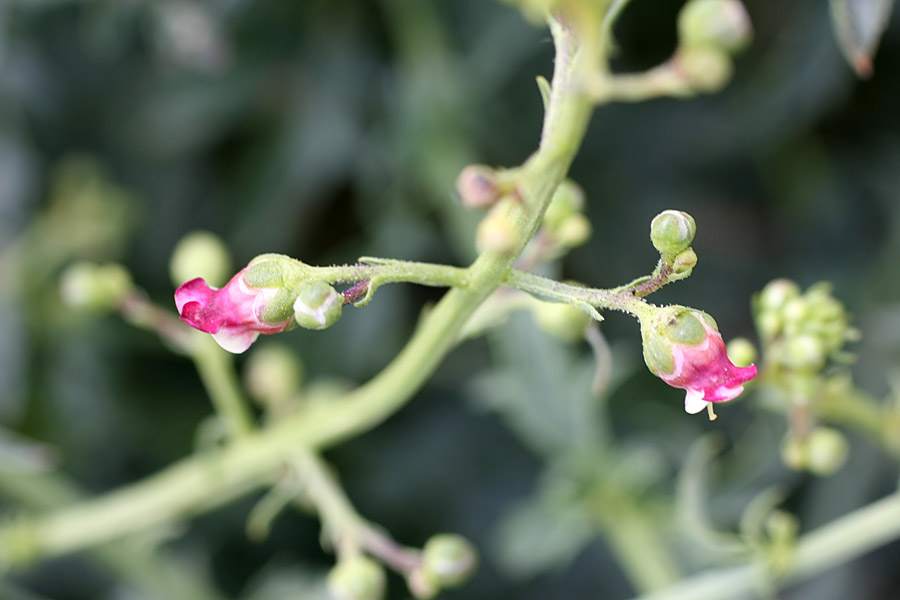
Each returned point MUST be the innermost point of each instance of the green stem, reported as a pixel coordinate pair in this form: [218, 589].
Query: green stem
[827, 547]
[202, 482]
[216, 369]
[640, 551]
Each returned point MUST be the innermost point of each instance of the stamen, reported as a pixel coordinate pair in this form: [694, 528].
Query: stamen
[712, 413]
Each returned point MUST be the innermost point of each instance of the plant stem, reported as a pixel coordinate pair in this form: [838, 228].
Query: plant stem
[833, 544]
[202, 482]
[640, 551]
[216, 369]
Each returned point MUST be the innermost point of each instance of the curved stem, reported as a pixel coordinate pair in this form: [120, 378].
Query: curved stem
[819, 550]
[201, 482]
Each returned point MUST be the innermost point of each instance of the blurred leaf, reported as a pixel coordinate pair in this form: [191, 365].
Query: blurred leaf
[540, 534]
[859, 25]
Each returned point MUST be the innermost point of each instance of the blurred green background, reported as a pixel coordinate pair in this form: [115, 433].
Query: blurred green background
[329, 130]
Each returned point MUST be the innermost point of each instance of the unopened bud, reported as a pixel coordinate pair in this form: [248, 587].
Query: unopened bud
[477, 186]
[357, 578]
[777, 293]
[562, 320]
[685, 262]
[496, 233]
[421, 585]
[200, 254]
[568, 200]
[803, 353]
[449, 559]
[318, 306]
[672, 232]
[793, 452]
[706, 69]
[722, 24]
[95, 287]
[741, 351]
[575, 231]
[273, 374]
[826, 451]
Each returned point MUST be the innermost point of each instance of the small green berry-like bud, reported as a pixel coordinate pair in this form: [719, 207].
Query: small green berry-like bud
[826, 451]
[741, 352]
[318, 306]
[95, 287]
[793, 452]
[496, 233]
[477, 186]
[564, 321]
[200, 254]
[672, 232]
[568, 200]
[685, 262]
[449, 559]
[575, 231]
[357, 578]
[421, 584]
[803, 353]
[273, 374]
[706, 69]
[778, 293]
[722, 24]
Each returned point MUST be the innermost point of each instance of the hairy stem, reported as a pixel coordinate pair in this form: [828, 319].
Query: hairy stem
[201, 482]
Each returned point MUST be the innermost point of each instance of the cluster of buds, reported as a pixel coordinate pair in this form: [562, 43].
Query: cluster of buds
[684, 348]
[268, 296]
[710, 32]
[800, 331]
[672, 232]
[565, 225]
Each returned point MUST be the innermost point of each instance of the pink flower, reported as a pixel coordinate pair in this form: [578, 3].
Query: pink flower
[686, 350]
[233, 314]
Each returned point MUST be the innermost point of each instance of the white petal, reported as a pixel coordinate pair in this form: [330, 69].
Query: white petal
[694, 402]
[235, 341]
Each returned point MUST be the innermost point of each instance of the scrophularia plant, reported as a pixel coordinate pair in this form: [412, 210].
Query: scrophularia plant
[274, 294]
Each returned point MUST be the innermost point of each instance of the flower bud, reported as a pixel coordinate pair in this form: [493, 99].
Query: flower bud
[777, 293]
[421, 584]
[803, 353]
[722, 24]
[318, 306]
[496, 233]
[793, 452]
[826, 451]
[477, 186]
[356, 578]
[568, 200]
[672, 232]
[95, 287]
[684, 348]
[706, 69]
[684, 263]
[562, 320]
[575, 231]
[200, 254]
[449, 559]
[741, 352]
[273, 375]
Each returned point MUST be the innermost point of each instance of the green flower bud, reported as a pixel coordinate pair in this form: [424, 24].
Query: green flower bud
[421, 584]
[562, 320]
[769, 325]
[741, 351]
[778, 293]
[706, 69]
[722, 24]
[672, 232]
[826, 451]
[318, 306]
[568, 200]
[449, 559]
[356, 578]
[200, 254]
[477, 186]
[684, 263]
[95, 287]
[273, 374]
[803, 353]
[793, 452]
[575, 231]
[496, 233]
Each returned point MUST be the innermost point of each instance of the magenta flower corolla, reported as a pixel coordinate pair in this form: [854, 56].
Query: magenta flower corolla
[232, 314]
[684, 348]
